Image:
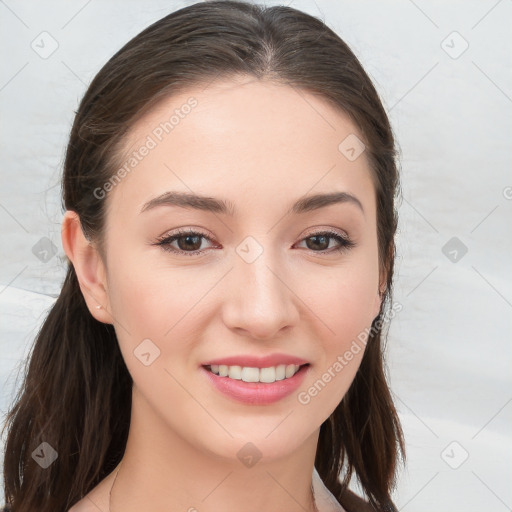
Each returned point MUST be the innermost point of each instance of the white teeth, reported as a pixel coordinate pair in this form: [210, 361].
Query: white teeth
[250, 374]
[267, 375]
[280, 372]
[290, 370]
[235, 372]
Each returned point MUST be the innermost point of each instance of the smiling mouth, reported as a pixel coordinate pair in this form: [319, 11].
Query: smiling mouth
[251, 374]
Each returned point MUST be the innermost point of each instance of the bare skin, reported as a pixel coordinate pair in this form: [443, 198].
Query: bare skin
[260, 146]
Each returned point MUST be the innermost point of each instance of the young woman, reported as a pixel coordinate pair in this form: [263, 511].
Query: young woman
[229, 188]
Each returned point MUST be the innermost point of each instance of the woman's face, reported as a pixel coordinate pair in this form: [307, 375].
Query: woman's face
[257, 278]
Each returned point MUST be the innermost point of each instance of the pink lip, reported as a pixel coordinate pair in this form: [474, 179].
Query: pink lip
[256, 393]
[257, 362]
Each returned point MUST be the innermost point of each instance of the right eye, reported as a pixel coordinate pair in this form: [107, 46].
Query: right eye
[188, 241]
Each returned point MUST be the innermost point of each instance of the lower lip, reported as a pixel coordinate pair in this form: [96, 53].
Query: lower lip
[256, 393]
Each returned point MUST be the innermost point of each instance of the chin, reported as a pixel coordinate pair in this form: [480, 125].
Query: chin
[271, 442]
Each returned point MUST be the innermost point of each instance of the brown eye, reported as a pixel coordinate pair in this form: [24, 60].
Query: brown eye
[319, 242]
[187, 242]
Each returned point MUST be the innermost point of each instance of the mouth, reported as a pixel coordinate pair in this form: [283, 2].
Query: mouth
[251, 385]
[267, 375]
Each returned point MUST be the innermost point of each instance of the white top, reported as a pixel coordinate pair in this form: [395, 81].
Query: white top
[324, 499]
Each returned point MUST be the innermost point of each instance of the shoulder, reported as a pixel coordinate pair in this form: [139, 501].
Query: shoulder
[81, 506]
[84, 505]
[97, 498]
[90, 503]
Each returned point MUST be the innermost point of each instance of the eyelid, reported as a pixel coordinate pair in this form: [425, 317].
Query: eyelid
[317, 230]
[189, 230]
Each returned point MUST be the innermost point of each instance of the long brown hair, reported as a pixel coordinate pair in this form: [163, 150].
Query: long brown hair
[76, 394]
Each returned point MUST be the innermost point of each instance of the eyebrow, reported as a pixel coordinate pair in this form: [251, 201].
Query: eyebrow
[210, 204]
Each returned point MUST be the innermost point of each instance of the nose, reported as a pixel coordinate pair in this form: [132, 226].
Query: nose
[259, 300]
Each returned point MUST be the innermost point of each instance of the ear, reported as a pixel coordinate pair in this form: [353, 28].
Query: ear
[88, 265]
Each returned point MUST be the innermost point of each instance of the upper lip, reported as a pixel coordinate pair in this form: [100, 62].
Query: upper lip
[257, 361]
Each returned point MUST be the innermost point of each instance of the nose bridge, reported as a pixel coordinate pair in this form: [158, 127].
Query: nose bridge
[259, 302]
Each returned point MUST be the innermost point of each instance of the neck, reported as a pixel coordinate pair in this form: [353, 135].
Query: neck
[176, 475]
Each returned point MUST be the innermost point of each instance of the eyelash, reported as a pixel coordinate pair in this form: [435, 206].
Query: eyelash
[165, 242]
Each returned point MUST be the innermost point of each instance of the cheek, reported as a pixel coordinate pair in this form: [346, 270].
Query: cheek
[158, 303]
[344, 311]
[146, 296]
[351, 309]
[345, 300]
[344, 304]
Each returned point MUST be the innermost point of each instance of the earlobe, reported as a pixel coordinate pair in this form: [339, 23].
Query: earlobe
[88, 265]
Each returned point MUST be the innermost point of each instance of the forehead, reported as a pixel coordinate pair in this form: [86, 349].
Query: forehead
[238, 134]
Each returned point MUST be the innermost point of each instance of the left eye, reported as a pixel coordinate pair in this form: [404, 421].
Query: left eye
[323, 239]
[189, 242]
